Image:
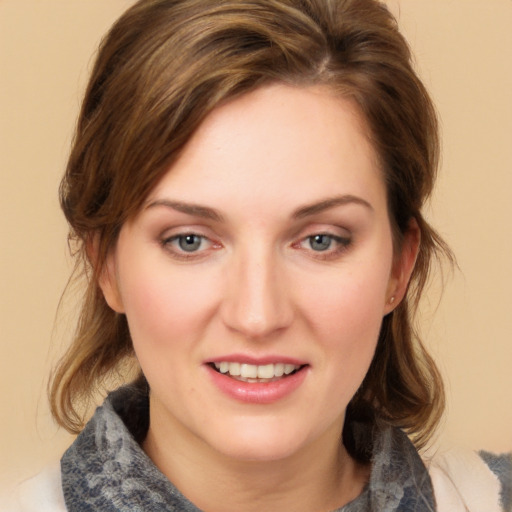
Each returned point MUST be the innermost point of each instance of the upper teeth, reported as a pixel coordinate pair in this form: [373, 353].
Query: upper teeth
[253, 371]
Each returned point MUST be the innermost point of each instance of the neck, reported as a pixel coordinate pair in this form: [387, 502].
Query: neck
[322, 476]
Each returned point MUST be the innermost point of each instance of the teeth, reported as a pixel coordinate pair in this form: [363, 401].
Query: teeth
[234, 369]
[288, 368]
[253, 373]
[248, 371]
[266, 372]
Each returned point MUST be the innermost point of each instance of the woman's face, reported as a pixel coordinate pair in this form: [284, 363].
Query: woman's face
[257, 274]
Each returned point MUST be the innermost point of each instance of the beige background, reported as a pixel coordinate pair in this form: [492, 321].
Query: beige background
[464, 53]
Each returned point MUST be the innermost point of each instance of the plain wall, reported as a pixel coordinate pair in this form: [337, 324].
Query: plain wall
[463, 51]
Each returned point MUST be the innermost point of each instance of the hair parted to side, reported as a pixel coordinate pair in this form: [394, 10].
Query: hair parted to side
[162, 68]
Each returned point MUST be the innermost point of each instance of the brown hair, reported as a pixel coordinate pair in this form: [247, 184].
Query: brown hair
[161, 69]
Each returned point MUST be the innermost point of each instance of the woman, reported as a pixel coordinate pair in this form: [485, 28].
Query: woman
[245, 192]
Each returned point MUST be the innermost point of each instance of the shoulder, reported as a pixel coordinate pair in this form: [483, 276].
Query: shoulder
[465, 480]
[41, 493]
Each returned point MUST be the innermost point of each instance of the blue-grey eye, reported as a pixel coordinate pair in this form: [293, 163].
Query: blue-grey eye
[320, 242]
[190, 243]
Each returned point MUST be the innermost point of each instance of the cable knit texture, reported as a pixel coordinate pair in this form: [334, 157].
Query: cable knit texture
[501, 466]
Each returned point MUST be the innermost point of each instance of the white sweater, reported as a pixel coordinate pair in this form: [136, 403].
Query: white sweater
[41, 493]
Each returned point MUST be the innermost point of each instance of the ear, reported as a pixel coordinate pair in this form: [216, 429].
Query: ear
[403, 266]
[107, 274]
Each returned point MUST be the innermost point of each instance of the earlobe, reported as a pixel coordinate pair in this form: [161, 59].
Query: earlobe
[106, 274]
[403, 266]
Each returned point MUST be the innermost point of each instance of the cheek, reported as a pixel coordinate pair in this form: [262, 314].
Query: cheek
[346, 314]
[350, 330]
[164, 306]
[350, 302]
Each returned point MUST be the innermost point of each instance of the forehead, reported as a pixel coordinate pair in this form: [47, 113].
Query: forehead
[283, 143]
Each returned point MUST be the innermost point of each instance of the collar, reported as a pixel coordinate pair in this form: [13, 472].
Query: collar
[106, 470]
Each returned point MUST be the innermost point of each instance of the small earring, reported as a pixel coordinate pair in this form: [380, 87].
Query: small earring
[392, 299]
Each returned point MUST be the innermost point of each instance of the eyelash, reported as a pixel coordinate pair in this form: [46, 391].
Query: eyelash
[341, 244]
[168, 243]
[172, 245]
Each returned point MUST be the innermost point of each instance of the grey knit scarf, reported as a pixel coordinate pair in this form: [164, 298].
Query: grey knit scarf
[106, 470]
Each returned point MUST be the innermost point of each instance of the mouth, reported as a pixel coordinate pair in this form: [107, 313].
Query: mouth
[253, 373]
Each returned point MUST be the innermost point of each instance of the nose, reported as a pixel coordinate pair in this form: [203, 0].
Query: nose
[258, 302]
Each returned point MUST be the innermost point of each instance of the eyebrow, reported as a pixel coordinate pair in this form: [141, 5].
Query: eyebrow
[304, 211]
[189, 208]
[331, 202]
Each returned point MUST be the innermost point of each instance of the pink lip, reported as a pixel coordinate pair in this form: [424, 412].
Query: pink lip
[257, 392]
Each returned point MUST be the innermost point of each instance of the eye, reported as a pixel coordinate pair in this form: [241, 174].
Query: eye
[190, 242]
[325, 245]
[324, 242]
[185, 244]
[320, 242]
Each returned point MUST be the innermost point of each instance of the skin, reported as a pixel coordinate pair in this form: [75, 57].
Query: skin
[264, 169]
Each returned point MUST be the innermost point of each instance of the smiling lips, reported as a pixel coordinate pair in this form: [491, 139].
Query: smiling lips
[253, 373]
[262, 380]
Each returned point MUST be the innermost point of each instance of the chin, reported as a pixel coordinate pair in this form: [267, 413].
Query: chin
[261, 441]
[264, 450]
